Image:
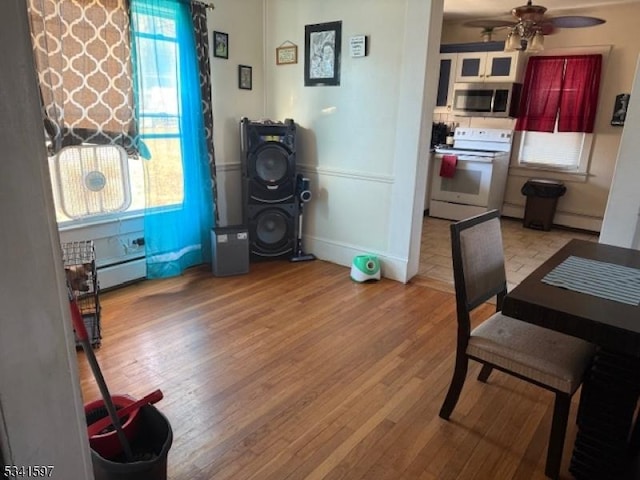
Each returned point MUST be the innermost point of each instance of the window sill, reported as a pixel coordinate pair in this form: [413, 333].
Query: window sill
[97, 222]
[134, 216]
[548, 173]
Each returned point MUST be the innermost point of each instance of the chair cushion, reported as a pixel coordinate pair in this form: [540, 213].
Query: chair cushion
[550, 358]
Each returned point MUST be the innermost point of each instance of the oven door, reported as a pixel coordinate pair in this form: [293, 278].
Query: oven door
[470, 184]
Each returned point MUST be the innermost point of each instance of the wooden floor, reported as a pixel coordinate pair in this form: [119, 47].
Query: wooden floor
[293, 371]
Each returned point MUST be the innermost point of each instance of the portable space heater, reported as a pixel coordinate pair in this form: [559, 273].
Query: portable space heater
[79, 260]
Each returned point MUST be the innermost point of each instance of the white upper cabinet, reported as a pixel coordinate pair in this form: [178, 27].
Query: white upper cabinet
[489, 67]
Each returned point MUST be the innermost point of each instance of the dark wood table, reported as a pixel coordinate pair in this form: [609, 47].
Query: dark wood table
[606, 443]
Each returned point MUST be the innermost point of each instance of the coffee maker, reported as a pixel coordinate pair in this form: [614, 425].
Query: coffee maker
[439, 133]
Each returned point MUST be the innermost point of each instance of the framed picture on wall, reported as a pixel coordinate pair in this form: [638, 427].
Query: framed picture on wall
[620, 109]
[322, 46]
[286, 54]
[220, 45]
[245, 79]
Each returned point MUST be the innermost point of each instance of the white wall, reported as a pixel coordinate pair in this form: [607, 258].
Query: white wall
[243, 21]
[621, 225]
[346, 142]
[41, 414]
[361, 143]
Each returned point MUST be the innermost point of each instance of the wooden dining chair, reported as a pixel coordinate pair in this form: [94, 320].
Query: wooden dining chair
[549, 359]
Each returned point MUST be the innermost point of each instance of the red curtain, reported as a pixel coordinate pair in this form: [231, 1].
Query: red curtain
[580, 94]
[541, 94]
[565, 88]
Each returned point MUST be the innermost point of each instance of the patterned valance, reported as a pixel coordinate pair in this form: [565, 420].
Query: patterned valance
[82, 51]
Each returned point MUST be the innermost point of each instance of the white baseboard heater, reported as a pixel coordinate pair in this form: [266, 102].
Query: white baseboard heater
[119, 248]
[120, 274]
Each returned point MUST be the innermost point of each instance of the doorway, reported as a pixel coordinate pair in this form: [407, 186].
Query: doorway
[524, 249]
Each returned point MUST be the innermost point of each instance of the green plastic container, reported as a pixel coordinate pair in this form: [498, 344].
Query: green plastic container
[365, 268]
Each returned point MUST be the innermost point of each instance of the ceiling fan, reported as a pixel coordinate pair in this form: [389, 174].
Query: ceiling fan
[531, 25]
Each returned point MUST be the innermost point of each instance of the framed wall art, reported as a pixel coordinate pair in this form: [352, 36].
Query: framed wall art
[220, 45]
[245, 80]
[358, 46]
[287, 54]
[322, 46]
[620, 109]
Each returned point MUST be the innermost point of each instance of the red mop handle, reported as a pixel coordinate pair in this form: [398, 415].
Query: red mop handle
[83, 337]
[78, 322]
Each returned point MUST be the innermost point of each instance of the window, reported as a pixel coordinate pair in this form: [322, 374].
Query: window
[557, 112]
[151, 63]
[567, 151]
[157, 66]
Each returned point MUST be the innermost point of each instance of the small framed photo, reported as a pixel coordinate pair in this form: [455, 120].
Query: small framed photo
[244, 77]
[220, 45]
[358, 46]
[620, 109]
[322, 45]
[286, 55]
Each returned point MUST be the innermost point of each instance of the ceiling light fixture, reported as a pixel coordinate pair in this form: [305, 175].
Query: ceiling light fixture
[531, 27]
[527, 33]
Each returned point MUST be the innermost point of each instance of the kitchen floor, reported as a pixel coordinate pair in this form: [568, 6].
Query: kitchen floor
[524, 249]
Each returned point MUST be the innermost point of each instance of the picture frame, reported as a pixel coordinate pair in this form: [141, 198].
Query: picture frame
[322, 46]
[620, 109]
[245, 77]
[286, 54]
[220, 45]
[358, 46]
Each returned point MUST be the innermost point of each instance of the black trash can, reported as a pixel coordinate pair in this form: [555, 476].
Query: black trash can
[542, 199]
[150, 448]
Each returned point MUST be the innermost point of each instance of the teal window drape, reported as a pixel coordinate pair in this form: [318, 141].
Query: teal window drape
[168, 105]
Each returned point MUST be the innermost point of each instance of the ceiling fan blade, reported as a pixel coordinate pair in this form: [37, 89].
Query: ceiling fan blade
[548, 28]
[575, 21]
[488, 24]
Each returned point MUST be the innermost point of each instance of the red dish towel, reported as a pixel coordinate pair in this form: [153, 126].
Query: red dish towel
[448, 166]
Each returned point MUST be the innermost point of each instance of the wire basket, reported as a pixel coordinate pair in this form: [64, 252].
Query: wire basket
[80, 269]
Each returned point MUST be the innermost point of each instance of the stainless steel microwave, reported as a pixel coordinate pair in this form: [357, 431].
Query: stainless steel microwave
[486, 99]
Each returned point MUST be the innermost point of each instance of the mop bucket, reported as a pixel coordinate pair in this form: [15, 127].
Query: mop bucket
[150, 447]
[106, 443]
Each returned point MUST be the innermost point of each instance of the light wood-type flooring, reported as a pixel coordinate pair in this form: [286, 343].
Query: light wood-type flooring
[294, 371]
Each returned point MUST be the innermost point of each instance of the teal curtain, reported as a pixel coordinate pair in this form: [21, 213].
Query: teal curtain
[178, 188]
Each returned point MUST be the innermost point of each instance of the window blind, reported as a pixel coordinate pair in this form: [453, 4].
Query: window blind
[559, 149]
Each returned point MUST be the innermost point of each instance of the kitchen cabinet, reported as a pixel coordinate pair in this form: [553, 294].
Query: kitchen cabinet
[489, 67]
[475, 62]
[448, 65]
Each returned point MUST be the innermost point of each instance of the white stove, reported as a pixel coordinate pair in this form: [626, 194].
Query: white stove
[484, 139]
[480, 175]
